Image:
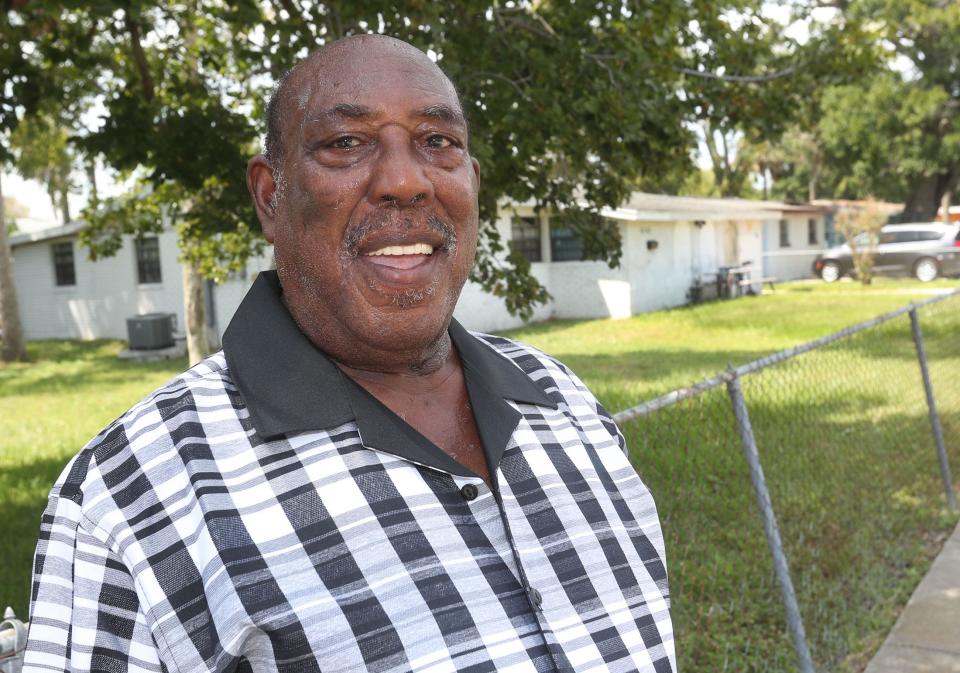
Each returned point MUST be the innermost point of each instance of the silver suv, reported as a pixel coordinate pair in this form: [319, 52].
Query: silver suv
[924, 250]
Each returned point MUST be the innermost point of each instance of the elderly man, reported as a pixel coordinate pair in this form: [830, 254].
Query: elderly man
[357, 482]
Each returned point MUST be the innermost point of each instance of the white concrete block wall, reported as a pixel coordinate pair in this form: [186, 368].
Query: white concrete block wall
[659, 278]
[105, 295]
[795, 261]
[589, 290]
[482, 312]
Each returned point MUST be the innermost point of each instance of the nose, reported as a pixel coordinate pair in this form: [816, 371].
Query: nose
[398, 173]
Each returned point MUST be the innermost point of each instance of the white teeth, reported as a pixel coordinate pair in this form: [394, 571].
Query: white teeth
[415, 249]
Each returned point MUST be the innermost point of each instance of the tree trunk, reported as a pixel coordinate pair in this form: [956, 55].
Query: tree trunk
[65, 205]
[923, 199]
[92, 179]
[12, 347]
[199, 343]
[195, 314]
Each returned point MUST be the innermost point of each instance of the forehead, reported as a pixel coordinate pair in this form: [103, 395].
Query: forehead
[387, 79]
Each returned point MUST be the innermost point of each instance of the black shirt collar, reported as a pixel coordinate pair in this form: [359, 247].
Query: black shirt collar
[288, 385]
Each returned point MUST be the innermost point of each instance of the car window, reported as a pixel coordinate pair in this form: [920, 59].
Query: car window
[888, 237]
[929, 235]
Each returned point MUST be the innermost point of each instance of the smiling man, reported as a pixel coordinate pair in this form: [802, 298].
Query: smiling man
[357, 483]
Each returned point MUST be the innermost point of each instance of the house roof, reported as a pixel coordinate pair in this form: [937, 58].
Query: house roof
[22, 238]
[853, 204]
[664, 207]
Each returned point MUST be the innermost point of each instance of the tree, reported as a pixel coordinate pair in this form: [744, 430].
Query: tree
[754, 81]
[895, 132]
[571, 104]
[42, 150]
[22, 88]
[11, 332]
[171, 73]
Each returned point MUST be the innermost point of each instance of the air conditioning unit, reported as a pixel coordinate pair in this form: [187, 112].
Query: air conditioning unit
[150, 331]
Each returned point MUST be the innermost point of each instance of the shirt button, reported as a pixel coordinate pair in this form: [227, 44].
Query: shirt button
[469, 492]
[535, 598]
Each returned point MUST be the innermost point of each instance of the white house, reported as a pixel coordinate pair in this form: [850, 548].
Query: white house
[793, 236]
[671, 245]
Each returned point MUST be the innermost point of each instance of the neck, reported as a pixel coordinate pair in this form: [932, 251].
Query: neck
[385, 354]
[422, 367]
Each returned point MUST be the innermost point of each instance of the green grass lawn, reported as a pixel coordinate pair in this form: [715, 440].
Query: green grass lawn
[49, 408]
[859, 504]
[632, 360]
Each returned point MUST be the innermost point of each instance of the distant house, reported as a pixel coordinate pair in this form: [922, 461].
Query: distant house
[673, 247]
[793, 236]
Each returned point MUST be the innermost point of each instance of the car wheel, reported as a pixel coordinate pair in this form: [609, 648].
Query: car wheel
[926, 269]
[830, 272]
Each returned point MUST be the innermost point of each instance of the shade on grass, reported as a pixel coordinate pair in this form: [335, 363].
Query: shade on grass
[836, 500]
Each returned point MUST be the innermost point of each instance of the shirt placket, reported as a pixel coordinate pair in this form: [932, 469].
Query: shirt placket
[486, 505]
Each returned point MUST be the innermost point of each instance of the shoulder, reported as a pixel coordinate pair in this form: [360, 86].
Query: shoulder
[145, 439]
[557, 380]
[534, 362]
[551, 374]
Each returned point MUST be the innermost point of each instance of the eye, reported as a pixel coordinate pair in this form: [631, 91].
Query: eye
[439, 142]
[345, 142]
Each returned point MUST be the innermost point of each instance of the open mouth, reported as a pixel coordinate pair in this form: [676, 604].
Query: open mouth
[400, 256]
[401, 266]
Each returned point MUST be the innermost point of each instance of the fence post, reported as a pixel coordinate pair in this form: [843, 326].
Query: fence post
[780, 567]
[932, 407]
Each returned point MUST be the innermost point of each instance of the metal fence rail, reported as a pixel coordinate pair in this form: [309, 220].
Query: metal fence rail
[843, 445]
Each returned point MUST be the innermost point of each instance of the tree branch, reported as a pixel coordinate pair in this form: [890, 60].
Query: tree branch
[146, 80]
[786, 72]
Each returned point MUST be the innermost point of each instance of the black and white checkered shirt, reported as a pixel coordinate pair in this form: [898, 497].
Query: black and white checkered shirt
[261, 512]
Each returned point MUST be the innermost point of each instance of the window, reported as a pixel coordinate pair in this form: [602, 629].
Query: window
[784, 234]
[812, 231]
[63, 269]
[930, 235]
[564, 244]
[148, 260]
[525, 238]
[865, 239]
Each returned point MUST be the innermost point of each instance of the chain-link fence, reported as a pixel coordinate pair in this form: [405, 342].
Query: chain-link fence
[844, 434]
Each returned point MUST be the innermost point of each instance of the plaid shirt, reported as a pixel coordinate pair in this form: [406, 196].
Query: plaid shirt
[261, 512]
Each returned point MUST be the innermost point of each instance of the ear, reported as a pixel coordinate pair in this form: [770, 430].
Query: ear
[262, 187]
[476, 171]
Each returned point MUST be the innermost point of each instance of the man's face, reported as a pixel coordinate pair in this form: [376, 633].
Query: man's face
[375, 219]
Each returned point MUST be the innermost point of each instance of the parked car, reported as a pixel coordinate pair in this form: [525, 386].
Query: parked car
[925, 250]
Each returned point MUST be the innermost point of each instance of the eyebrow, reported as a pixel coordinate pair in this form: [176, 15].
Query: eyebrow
[437, 111]
[348, 110]
[443, 113]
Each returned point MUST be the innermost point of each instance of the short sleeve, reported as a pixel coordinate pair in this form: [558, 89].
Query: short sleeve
[84, 611]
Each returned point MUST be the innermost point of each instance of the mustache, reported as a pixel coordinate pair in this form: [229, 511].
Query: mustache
[384, 219]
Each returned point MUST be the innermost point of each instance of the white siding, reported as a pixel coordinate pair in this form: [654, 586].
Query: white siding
[105, 295]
